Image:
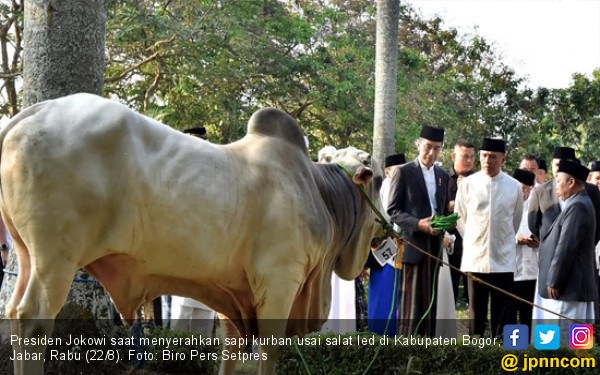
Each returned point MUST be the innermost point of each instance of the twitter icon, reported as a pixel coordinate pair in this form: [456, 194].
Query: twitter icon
[546, 337]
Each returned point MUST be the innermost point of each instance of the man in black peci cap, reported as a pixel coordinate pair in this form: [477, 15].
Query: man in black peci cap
[490, 206]
[542, 175]
[527, 253]
[418, 192]
[594, 176]
[567, 267]
[545, 205]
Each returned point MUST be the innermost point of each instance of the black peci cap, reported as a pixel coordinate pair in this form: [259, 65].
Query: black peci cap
[396, 159]
[564, 153]
[432, 133]
[524, 177]
[543, 165]
[576, 170]
[495, 145]
[198, 132]
[594, 166]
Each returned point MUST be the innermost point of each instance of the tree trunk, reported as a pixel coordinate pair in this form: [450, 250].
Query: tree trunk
[63, 53]
[386, 60]
[63, 50]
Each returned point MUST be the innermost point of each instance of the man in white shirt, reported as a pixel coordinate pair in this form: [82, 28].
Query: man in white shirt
[527, 256]
[490, 205]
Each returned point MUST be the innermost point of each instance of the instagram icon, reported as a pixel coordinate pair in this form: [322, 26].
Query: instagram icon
[580, 336]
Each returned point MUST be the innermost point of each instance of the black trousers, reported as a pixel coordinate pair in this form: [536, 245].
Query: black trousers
[526, 290]
[480, 295]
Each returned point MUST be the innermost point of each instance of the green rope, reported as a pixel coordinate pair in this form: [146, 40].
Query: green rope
[441, 223]
[433, 287]
[367, 197]
[302, 358]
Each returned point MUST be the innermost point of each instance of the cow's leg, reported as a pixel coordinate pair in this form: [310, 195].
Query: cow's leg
[270, 328]
[272, 314]
[20, 286]
[44, 296]
[22, 278]
[227, 367]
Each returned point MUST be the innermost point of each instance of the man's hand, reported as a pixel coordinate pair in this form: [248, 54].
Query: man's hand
[534, 243]
[424, 225]
[553, 292]
[528, 241]
[522, 240]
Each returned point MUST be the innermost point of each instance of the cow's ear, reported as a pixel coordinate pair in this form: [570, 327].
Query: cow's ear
[363, 176]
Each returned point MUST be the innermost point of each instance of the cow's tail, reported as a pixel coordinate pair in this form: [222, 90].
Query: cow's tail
[10, 125]
[27, 112]
[20, 247]
[4, 131]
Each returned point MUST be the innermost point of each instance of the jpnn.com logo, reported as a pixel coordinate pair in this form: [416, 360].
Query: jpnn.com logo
[516, 336]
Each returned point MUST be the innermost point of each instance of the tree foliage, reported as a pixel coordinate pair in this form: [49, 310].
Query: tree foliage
[11, 46]
[213, 63]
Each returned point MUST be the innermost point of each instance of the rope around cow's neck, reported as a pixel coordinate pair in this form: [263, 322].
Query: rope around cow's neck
[386, 224]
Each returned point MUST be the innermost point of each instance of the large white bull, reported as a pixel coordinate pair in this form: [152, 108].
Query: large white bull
[253, 228]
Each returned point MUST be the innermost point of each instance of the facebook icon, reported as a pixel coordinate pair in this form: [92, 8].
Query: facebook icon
[516, 336]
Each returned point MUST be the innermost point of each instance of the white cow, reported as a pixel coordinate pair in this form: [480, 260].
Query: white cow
[253, 229]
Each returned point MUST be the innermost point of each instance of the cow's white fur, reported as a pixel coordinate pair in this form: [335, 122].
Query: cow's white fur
[253, 228]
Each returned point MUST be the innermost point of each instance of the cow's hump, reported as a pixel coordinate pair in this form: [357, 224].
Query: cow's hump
[276, 123]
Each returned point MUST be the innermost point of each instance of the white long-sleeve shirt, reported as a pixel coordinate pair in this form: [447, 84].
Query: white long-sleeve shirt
[490, 210]
[527, 257]
[384, 192]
